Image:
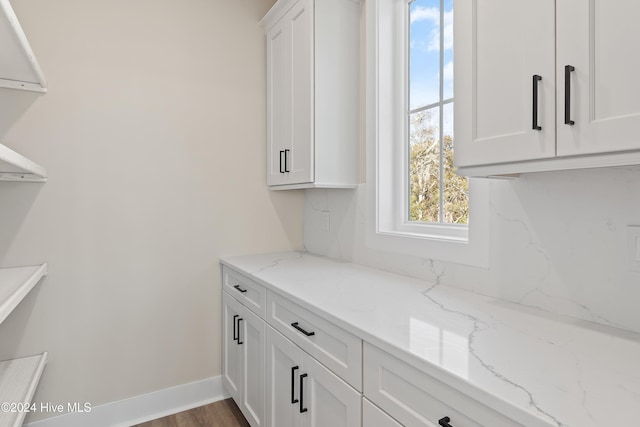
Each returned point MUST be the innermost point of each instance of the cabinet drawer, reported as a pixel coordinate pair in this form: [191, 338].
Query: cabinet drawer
[372, 416]
[334, 347]
[417, 399]
[245, 290]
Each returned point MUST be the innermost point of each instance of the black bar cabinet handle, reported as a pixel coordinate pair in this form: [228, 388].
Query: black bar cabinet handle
[295, 325]
[281, 153]
[444, 422]
[235, 333]
[286, 168]
[568, 69]
[302, 408]
[240, 319]
[536, 79]
[239, 289]
[293, 399]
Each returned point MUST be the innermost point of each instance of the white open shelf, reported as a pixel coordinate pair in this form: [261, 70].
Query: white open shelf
[14, 167]
[18, 377]
[18, 381]
[19, 68]
[15, 284]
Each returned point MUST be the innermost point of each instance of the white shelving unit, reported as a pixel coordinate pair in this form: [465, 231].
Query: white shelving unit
[14, 167]
[18, 381]
[19, 68]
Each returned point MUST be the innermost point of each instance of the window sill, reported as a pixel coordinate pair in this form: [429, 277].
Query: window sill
[471, 251]
[424, 236]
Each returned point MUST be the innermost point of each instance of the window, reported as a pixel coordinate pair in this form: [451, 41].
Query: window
[435, 193]
[420, 206]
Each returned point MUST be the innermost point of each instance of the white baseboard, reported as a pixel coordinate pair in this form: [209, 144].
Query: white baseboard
[146, 407]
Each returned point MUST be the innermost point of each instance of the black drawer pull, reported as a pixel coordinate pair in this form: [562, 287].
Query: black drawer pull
[536, 79]
[239, 289]
[235, 331]
[568, 69]
[309, 334]
[302, 408]
[444, 422]
[293, 371]
[240, 319]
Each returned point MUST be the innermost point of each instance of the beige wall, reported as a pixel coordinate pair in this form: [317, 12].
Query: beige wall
[153, 134]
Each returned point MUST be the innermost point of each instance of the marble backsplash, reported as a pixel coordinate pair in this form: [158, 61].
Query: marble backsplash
[558, 243]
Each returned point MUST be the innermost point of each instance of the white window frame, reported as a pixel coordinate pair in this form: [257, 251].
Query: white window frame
[386, 129]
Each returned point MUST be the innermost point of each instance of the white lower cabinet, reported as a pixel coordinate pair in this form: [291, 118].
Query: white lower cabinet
[247, 292]
[415, 398]
[335, 348]
[284, 360]
[302, 392]
[243, 358]
[288, 367]
[231, 363]
[329, 400]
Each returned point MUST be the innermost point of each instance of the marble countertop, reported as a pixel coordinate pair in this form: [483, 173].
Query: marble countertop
[538, 369]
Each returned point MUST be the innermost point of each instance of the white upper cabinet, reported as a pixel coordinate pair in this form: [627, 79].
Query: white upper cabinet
[19, 68]
[278, 77]
[290, 97]
[546, 85]
[598, 38]
[313, 91]
[500, 48]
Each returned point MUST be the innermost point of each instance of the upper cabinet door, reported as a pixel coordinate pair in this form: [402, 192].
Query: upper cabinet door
[290, 97]
[278, 96]
[598, 39]
[300, 157]
[500, 45]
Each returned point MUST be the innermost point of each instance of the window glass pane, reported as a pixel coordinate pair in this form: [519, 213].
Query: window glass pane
[456, 188]
[424, 166]
[436, 193]
[424, 53]
[447, 64]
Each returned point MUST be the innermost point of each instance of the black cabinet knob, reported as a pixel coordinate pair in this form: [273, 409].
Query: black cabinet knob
[444, 422]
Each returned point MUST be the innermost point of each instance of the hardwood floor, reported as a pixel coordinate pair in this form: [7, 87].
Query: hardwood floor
[224, 413]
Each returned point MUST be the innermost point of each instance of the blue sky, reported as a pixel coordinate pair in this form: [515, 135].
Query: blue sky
[425, 51]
